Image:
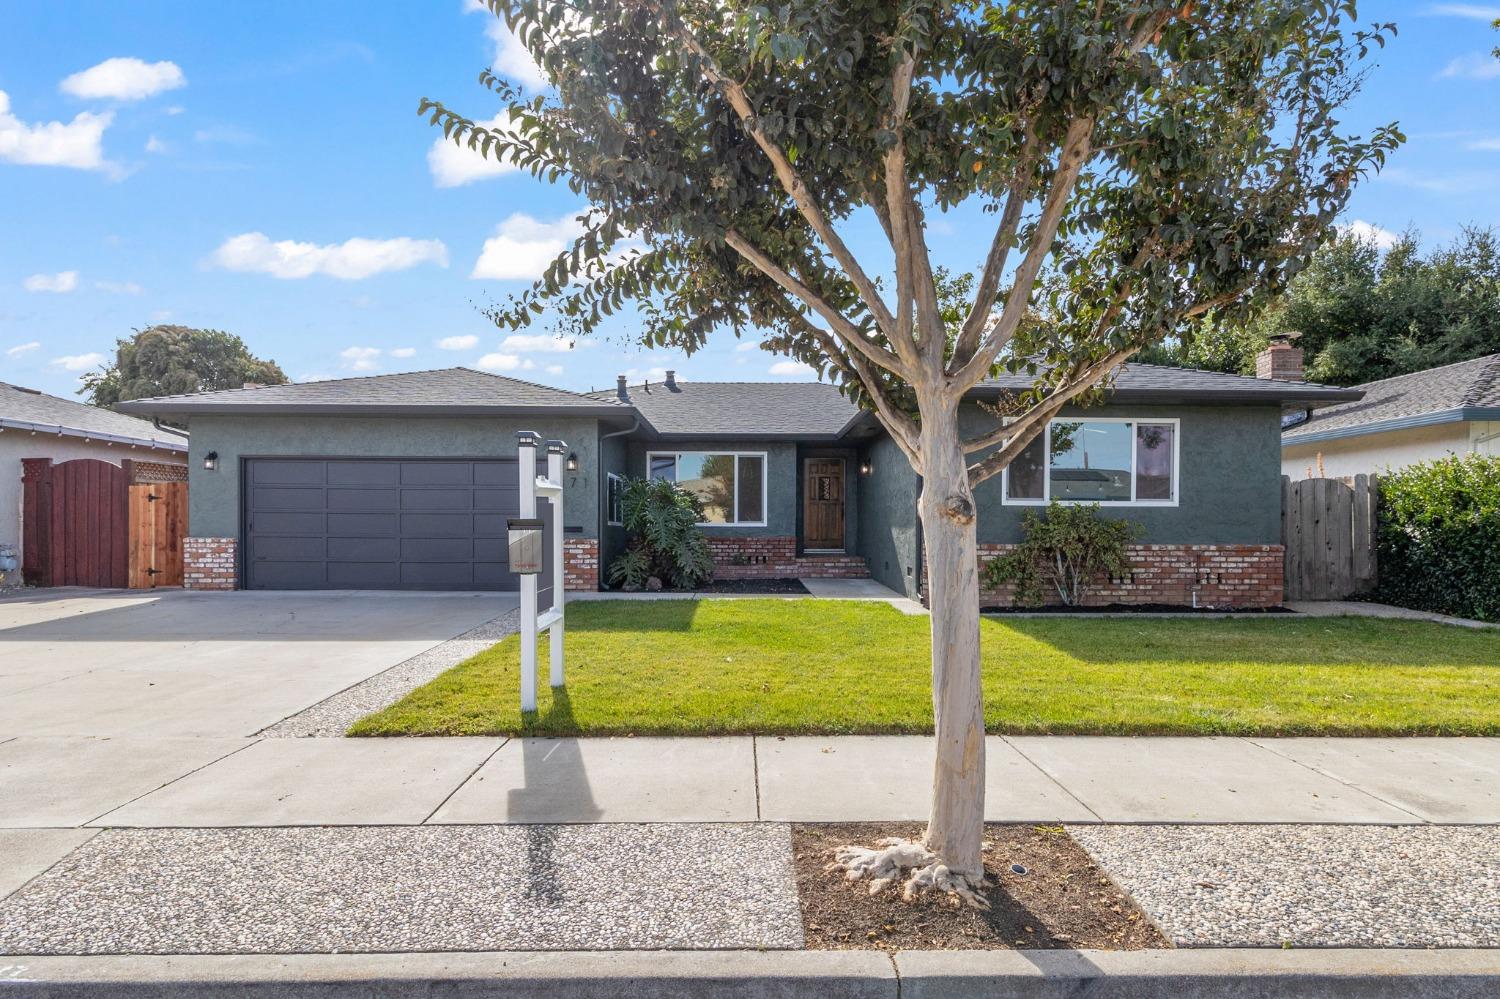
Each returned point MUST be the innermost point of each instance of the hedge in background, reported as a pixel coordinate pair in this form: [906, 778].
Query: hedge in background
[1439, 537]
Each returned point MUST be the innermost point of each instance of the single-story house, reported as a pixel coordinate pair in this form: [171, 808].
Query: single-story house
[36, 425]
[404, 480]
[1454, 409]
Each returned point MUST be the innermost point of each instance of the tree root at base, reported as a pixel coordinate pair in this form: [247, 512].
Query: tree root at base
[895, 857]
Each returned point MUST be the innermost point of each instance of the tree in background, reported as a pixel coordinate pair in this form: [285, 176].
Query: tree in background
[1145, 162]
[167, 360]
[1367, 313]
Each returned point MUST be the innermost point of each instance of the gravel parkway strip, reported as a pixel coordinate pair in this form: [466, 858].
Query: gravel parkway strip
[1309, 885]
[401, 888]
[332, 716]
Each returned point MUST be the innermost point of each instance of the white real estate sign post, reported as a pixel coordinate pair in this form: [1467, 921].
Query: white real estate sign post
[549, 487]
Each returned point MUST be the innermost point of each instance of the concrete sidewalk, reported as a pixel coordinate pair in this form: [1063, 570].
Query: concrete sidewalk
[51, 782]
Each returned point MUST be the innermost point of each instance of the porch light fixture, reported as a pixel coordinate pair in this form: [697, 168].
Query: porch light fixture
[525, 545]
[211, 461]
[572, 461]
[864, 468]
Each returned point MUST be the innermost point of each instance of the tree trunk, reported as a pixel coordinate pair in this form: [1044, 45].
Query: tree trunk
[955, 830]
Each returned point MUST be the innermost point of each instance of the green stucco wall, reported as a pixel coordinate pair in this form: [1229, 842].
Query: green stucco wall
[214, 497]
[781, 481]
[1229, 478]
[888, 517]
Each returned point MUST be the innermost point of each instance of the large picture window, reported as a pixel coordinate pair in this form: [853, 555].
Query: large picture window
[731, 485]
[1112, 462]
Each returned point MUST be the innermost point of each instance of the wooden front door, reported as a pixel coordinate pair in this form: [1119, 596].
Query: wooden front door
[823, 504]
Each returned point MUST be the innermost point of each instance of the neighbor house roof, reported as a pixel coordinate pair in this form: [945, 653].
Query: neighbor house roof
[445, 392]
[765, 410]
[1155, 383]
[1467, 390]
[30, 411]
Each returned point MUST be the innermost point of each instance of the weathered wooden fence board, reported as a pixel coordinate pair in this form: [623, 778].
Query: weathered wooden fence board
[1328, 529]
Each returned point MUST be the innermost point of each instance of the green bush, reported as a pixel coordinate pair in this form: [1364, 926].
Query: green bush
[1066, 551]
[1438, 539]
[665, 543]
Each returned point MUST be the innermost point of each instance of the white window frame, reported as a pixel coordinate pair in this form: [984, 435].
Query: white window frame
[765, 481]
[1173, 421]
[608, 483]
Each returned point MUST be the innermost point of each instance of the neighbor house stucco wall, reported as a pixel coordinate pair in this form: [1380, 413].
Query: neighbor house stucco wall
[888, 532]
[18, 444]
[214, 497]
[1229, 478]
[781, 480]
[1393, 449]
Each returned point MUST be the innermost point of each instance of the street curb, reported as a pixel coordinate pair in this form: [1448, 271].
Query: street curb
[1182, 974]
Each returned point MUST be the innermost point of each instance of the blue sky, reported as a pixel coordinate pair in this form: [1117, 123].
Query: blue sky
[261, 169]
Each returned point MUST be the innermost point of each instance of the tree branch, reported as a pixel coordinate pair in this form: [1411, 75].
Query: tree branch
[971, 333]
[902, 428]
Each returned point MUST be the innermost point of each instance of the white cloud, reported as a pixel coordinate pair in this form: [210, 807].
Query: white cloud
[61, 282]
[454, 164]
[312, 378]
[522, 248]
[504, 362]
[351, 260]
[511, 58]
[176, 109]
[155, 145]
[532, 343]
[404, 352]
[790, 369]
[458, 342]
[23, 348]
[361, 358]
[229, 135]
[1368, 232]
[124, 79]
[745, 346]
[1472, 66]
[1478, 12]
[1484, 145]
[1457, 183]
[78, 362]
[77, 144]
[161, 316]
[554, 369]
[119, 287]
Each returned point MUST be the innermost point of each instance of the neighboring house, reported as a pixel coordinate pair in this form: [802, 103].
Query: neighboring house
[404, 481]
[36, 425]
[1400, 421]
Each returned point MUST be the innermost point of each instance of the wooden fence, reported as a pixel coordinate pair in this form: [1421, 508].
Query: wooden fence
[1328, 528]
[88, 522]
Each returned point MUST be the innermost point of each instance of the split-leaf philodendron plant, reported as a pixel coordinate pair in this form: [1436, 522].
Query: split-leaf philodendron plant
[1139, 163]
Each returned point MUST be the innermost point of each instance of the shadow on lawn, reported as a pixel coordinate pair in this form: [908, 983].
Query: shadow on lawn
[1268, 641]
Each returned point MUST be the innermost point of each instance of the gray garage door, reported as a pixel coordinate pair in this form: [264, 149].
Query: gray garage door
[379, 524]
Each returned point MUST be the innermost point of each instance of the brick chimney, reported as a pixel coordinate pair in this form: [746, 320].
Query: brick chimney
[1280, 360]
[620, 389]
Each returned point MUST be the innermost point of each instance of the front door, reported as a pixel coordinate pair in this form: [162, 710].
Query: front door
[823, 504]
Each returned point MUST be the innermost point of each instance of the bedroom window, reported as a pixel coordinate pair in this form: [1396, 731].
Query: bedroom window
[1112, 462]
[614, 500]
[731, 485]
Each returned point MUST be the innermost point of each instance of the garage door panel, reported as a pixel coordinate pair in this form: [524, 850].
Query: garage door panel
[351, 500]
[381, 524]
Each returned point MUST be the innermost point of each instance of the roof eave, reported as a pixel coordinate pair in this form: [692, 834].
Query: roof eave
[1316, 397]
[58, 430]
[152, 408]
[1460, 414]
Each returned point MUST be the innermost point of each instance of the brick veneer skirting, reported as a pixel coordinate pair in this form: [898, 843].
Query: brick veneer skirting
[208, 563]
[1222, 576]
[777, 558]
[580, 563]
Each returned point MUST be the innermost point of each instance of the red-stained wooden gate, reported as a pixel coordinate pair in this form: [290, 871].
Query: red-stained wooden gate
[77, 528]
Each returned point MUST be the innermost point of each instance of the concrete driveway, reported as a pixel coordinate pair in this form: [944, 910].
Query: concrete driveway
[205, 665]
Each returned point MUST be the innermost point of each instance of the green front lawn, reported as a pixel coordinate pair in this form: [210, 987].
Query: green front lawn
[686, 667]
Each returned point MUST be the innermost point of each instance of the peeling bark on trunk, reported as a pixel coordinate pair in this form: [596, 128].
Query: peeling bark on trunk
[955, 830]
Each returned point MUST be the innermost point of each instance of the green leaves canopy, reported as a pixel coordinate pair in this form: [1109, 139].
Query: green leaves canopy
[167, 360]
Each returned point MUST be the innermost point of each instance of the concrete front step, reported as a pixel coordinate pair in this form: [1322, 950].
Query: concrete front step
[1202, 974]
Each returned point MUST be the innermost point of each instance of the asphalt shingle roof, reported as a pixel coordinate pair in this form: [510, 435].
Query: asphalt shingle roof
[20, 407]
[1448, 390]
[458, 391]
[742, 409]
[1157, 383]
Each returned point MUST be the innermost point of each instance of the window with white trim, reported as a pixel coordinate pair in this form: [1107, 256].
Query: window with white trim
[731, 485]
[1112, 462]
[614, 500]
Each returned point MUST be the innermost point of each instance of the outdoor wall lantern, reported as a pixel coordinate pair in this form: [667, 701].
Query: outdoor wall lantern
[211, 461]
[864, 468]
[572, 461]
[525, 545]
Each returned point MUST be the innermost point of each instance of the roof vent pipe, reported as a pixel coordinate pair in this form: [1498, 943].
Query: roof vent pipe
[620, 389]
[671, 380]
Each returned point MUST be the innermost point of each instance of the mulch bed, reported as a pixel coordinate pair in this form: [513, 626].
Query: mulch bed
[1134, 609]
[1062, 901]
[753, 586]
